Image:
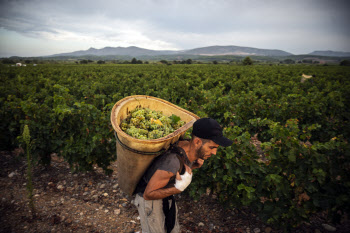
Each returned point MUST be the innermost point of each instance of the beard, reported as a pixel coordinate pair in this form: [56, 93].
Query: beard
[200, 154]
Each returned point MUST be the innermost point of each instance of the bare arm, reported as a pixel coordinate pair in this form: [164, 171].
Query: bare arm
[155, 187]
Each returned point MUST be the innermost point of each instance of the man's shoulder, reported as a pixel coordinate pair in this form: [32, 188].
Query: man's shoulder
[168, 160]
[170, 155]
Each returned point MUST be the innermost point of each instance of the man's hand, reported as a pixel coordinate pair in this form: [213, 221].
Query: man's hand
[188, 170]
[198, 164]
[182, 181]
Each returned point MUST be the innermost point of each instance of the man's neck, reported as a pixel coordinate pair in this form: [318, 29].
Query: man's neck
[186, 146]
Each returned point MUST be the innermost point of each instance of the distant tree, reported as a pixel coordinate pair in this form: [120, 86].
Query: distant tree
[247, 61]
[189, 61]
[164, 62]
[146, 62]
[288, 61]
[8, 61]
[135, 61]
[83, 62]
[27, 61]
[307, 61]
[345, 63]
[101, 62]
[90, 61]
[215, 62]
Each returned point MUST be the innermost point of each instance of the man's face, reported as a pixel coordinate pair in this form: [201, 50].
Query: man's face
[207, 150]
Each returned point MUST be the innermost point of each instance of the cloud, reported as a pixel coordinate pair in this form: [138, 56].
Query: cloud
[180, 16]
[96, 29]
[181, 24]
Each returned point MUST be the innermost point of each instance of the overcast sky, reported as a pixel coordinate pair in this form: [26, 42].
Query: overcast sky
[46, 27]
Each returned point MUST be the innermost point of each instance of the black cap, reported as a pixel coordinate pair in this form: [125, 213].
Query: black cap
[208, 128]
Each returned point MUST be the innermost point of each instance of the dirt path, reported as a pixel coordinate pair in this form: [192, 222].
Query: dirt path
[93, 202]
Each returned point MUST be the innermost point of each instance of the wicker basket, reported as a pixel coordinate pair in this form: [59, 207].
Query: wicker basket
[135, 155]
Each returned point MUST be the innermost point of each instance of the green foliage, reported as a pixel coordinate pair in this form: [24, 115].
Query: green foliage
[8, 61]
[135, 61]
[288, 61]
[174, 119]
[189, 61]
[247, 61]
[300, 166]
[345, 63]
[307, 61]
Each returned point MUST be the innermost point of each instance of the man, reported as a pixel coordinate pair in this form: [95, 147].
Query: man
[154, 199]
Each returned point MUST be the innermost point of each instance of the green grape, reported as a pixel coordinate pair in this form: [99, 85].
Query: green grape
[144, 123]
[165, 120]
[124, 125]
[155, 134]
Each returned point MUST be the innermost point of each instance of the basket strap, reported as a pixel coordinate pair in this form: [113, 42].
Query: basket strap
[136, 151]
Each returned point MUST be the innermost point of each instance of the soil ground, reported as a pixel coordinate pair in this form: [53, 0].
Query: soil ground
[93, 202]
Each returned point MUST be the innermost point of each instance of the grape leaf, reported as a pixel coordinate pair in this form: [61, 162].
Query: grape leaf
[174, 119]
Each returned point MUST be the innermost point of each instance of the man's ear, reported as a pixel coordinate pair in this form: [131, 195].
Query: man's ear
[197, 142]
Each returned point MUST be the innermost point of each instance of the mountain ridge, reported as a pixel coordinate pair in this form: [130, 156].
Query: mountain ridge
[236, 50]
[215, 50]
[204, 51]
[121, 51]
[330, 53]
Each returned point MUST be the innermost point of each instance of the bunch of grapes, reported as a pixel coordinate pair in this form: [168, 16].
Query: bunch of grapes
[144, 123]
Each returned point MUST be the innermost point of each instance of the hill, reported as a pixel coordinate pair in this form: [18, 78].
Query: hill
[236, 50]
[204, 51]
[330, 53]
[228, 53]
[117, 51]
